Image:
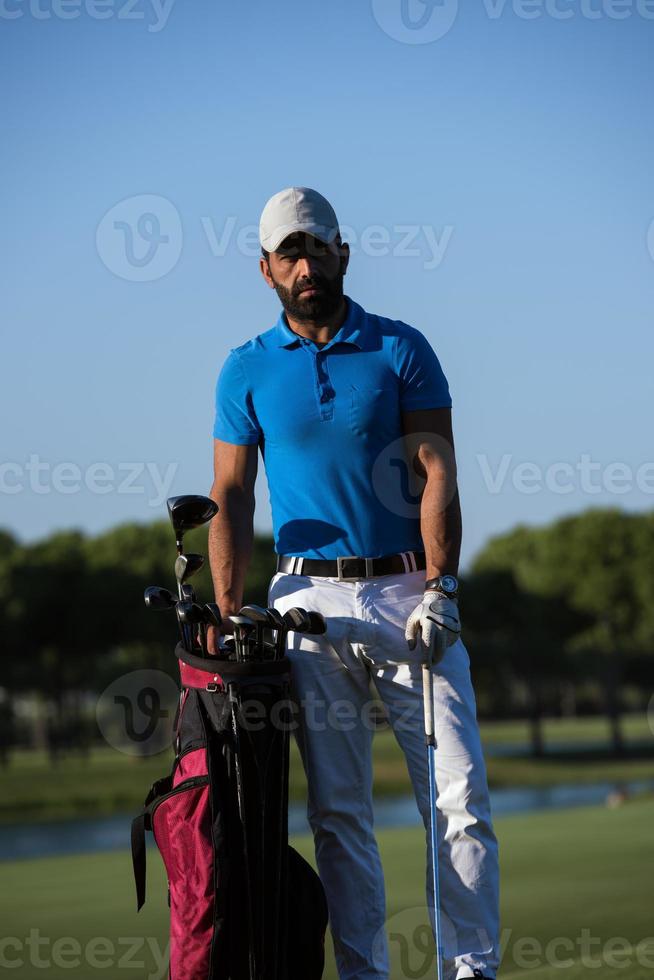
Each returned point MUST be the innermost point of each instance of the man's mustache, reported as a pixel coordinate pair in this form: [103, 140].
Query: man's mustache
[308, 284]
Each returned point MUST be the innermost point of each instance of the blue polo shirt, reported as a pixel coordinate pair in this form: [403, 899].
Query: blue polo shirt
[328, 423]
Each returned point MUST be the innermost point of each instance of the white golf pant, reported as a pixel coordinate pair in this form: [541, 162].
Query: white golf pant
[332, 677]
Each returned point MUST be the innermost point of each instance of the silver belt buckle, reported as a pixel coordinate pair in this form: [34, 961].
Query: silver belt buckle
[353, 578]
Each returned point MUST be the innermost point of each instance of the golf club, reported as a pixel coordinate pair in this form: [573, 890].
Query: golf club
[298, 620]
[243, 629]
[430, 741]
[187, 566]
[282, 629]
[301, 621]
[212, 615]
[190, 614]
[158, 598]
[187, 512]
[263, 620]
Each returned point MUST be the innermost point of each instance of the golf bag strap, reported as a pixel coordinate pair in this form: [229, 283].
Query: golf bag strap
[138, 858]
[200, 678]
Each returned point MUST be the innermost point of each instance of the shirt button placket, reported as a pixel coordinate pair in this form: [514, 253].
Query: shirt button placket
[324, 386]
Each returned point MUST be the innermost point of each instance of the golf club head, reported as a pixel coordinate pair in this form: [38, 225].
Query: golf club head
[317, 624]
[301, 621]
[266, 644]
[212, 615]
[187, 565]
[158, 598]
[241, 623]
[243, 628]
[190, 613]
[257, 614]
[188, 511]
[296, 619]
[228, 648]
[186, 592]
[276, 619]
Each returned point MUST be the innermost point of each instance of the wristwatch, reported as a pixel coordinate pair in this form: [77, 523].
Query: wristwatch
[447, 584]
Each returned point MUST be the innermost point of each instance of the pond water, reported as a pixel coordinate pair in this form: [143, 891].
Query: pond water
[113, 833]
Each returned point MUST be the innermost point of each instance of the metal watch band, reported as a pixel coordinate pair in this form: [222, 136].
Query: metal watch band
[436, 585]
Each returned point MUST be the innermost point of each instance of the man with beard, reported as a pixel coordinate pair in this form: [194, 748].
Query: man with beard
[346, 408]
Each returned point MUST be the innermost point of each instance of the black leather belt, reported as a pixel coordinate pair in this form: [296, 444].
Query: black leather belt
[349, 569]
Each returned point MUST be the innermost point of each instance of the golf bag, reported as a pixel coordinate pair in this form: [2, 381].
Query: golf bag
[243, 904]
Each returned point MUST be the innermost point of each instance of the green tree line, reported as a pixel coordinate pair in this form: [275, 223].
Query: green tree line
[556, 618]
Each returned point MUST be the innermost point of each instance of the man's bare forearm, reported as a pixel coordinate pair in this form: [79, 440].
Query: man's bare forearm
[230, 547]
[441, 527]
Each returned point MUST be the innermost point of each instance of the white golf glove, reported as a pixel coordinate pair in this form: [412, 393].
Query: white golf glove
[436, 622]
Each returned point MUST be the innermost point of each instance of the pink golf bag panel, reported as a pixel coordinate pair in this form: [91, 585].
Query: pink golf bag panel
[181, 823]
[190, 765]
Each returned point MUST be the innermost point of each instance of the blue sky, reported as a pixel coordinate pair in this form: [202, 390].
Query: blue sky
[517, 151]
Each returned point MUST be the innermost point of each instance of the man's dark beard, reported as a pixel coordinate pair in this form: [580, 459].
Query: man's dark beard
[320, 307]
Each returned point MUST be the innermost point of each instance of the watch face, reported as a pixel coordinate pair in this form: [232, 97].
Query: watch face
[449, 583]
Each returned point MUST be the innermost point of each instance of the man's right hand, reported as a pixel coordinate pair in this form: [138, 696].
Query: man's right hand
[214, 634]
[213, 640]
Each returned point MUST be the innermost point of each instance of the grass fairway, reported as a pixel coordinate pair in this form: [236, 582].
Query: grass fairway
[563, 873]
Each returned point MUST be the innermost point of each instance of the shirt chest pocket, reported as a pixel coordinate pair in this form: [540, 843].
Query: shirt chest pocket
[373, 410]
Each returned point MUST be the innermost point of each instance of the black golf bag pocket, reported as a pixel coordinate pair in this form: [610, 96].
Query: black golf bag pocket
[307, 919]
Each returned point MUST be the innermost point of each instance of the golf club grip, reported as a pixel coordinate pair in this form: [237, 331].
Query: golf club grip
[428, 700]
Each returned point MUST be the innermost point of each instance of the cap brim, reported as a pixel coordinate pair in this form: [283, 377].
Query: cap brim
[323, 234]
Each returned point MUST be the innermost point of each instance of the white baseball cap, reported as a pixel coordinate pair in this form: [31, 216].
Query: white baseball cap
[297, 209]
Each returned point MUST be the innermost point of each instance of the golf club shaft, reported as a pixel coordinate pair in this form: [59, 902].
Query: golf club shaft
[184, 627]
[430, 739]
[239, 642]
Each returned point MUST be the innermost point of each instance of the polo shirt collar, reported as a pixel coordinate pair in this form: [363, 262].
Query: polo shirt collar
[353, 331]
